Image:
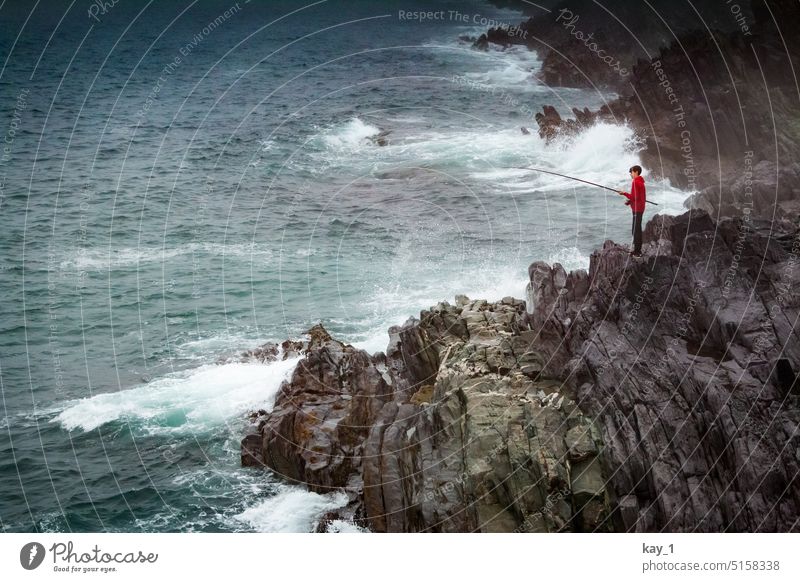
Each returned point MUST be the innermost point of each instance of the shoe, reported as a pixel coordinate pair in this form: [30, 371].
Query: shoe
[637, 255]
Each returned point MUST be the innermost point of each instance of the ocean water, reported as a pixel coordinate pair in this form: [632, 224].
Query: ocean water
[183, 181]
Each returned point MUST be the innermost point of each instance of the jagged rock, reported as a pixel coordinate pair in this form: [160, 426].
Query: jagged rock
[674, 358]
[252, 451]
[658, 394]
[453, 429]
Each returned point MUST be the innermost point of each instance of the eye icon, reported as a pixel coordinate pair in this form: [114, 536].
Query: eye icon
[31, 555]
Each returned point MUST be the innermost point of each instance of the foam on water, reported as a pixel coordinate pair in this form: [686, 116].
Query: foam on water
[291, 510]
[199, 400]
[104, 259]
[215, 345]
[486, 155]
[570, 258]
[489, 154]
[350, 135]
[341, 526]
[515, 71]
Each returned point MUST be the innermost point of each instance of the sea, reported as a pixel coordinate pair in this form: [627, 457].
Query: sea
[186, 180]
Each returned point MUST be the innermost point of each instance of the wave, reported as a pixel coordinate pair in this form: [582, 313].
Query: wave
[350, 135]
[571, 258]
[199, 400]
[484, 155]
[188, 346]
[497, 68]
[517, 70]
[293, 510]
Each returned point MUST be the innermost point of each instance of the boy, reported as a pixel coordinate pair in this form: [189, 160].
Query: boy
[636, 200]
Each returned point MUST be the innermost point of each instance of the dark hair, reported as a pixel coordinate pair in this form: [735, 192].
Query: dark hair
[637, 169]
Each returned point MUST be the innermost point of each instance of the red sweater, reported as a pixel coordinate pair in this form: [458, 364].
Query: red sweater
[637, 195]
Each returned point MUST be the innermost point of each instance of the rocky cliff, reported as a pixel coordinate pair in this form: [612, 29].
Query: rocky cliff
[710, 89]
[657, 394]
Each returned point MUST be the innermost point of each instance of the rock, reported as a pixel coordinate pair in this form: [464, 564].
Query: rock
[580, 443]
[266, 353]
[453, 429]
[650, 395]
[252, 451]
[671, 357]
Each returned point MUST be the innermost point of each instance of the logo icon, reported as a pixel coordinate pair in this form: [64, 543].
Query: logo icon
[31, 555]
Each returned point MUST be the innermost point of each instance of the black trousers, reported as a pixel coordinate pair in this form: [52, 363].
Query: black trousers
[636, 232]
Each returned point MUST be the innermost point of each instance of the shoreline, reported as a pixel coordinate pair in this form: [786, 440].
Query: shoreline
[478, 414]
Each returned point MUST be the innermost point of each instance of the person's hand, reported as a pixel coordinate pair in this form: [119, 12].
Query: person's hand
[621, 193]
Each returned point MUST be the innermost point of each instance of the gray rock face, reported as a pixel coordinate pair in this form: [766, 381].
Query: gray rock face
[454, 429]
[677, 357]
[657, 394]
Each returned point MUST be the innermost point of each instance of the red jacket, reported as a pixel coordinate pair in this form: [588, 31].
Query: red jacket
[637, 195]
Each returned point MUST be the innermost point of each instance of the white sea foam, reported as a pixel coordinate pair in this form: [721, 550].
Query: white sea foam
[215, 345]
[394, 304]
[483, 155]
[103, 259]
[350, 135]
[510, 68]
[378, 339]
[195, 401]
[341, 526]
[293, 510]
[570, 258]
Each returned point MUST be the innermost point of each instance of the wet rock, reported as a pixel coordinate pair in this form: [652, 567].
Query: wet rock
[252, 451]
[453, 429]
[670, 357]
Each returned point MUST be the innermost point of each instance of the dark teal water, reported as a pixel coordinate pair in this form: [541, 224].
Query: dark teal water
[181, 184]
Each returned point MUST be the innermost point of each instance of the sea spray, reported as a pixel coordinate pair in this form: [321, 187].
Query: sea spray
[198, 400]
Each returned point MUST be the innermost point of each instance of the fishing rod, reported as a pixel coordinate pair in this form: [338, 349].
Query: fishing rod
[573, 178]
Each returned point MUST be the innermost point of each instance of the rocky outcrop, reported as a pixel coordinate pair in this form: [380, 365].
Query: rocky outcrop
[687, 360]
[657, 394]
[594, 45]
[553, 126]
[711, 95]
[454, 429]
